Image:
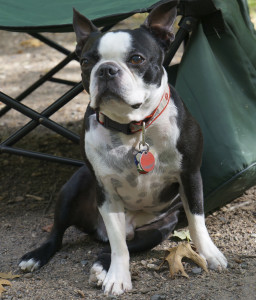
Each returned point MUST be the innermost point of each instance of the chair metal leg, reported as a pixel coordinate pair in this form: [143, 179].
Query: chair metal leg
[62, 81]
[41, 119]
[37, 119]
[186, 25]
[39, 155]
[50, 43]
[40, 81]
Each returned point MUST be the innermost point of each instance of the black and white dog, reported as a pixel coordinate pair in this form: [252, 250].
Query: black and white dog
[142, 149]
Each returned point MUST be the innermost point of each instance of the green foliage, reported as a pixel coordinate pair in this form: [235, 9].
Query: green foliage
[252, 5]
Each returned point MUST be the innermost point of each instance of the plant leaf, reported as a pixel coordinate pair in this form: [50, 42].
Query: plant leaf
[177, 253]
[3, 282]
[183, 235]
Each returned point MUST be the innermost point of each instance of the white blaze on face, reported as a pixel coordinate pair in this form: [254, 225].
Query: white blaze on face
[115, 46]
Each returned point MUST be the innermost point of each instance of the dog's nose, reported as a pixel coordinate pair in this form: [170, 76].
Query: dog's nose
[107, 71]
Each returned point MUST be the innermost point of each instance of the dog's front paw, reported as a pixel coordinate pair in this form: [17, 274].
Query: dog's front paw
[97, 274]
[215, 259]
[113, 282]
[117, 281]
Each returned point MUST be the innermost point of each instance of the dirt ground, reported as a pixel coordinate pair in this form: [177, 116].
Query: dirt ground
[28, 191]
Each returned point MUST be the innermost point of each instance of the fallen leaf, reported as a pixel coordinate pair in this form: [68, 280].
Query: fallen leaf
[238, 260]
[8, 275]
[34, 197]
[19, 199]
[47, 228]
[81, 293]
[177, 253]
[31, 43]
[3, 282]
[183, 235]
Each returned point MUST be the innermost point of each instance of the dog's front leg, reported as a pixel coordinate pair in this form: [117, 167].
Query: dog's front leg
[118, 278]
[191, 192]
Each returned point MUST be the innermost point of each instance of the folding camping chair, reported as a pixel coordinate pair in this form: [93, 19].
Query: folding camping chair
[216, 78]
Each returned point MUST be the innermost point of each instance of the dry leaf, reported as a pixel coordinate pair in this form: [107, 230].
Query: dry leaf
[177, 253]
[81, 293]
[47, 228]
[34, 197]
[3, 282]
[31, 43]
[238, 260]
[8, 275]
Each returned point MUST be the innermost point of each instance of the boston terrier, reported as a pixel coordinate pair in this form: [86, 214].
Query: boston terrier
[142, 150]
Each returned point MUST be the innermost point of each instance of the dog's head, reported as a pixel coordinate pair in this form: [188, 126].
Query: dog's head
[122, 70]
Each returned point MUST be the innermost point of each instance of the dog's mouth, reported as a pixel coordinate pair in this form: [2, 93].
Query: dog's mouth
[107, 97]
[136, 106]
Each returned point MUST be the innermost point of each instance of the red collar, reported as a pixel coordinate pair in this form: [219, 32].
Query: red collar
[135, 126]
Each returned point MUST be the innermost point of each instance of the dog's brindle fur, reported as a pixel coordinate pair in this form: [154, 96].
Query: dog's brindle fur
[107, 197]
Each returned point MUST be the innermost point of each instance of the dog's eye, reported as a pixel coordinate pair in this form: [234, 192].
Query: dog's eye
[84, 62]
[136, 59]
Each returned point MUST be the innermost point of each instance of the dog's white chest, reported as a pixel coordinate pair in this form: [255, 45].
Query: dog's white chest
[112, 157]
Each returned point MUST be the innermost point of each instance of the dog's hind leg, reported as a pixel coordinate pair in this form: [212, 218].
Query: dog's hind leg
[76, 205]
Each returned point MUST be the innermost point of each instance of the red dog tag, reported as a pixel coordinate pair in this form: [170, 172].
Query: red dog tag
[147, 161]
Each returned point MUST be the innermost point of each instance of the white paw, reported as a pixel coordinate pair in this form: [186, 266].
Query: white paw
[205, 246]
[215, 259]
[97, 274]
[117, 281]
[29, 265]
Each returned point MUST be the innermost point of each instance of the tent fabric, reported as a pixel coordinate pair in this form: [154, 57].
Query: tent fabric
[217, 80]
[56, 16]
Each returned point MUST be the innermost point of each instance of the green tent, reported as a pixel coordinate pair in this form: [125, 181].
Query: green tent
[56, 16]
[217, 80]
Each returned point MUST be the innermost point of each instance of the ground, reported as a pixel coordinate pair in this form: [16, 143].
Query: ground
[28, 191]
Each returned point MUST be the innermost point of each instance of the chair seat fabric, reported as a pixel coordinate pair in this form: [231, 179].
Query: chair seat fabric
[56, 15]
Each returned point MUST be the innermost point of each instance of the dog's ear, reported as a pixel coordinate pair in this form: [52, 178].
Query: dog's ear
[83, 27]
[160, 21]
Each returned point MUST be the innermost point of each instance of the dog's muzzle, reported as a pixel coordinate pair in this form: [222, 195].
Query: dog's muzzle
[108, 77]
